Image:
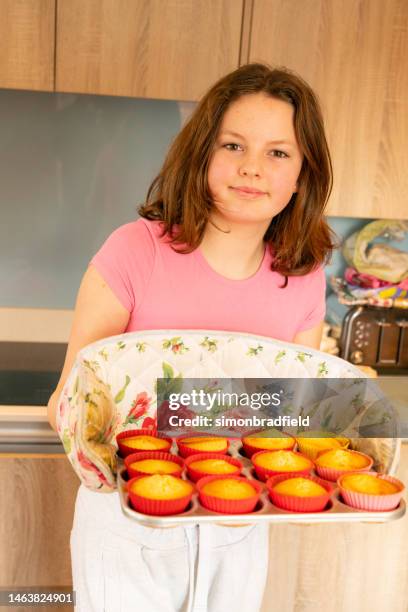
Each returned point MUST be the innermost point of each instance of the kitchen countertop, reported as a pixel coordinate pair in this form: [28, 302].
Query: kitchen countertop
[33, 327]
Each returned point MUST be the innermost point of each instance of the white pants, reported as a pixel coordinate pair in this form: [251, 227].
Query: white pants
[120, 566]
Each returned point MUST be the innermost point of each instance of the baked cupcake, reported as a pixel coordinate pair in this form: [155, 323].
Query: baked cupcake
[209, 464]
[370, 491]
[159, 494]
[141, 440]
[311, 445]
[202, 444]
[275, 441]
[333, 463]
[299, 493]
[269, 463]
[228, 494]
[152, 462]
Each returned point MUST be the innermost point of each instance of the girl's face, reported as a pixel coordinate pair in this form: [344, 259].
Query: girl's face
[256, 161]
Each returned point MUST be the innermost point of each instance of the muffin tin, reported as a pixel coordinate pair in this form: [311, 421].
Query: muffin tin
[335, 512]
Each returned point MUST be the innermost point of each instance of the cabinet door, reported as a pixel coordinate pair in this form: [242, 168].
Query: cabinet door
[27, 38]
[37, 495]
[171, 49]
[354, 53]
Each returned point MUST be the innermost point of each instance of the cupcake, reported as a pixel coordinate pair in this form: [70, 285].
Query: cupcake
[159, 494]
[299, 493]
[333, 463]
[138, 464]
[311, 445]
[370, 491]
[202, 444]
[228, 494]
[207, 464]
[269, 463]
[141, 440]
[276, 441]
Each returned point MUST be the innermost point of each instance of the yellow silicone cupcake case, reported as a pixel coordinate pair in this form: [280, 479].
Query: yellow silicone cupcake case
[337, 511]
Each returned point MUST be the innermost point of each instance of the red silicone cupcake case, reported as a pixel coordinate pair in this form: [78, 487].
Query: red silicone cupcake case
[195, 475]
[186, 451]
[193, 510]
[132, 433]
[295, 503]
[132, 472]
[228, 506]
[157, 507]
[251, 450]
[265, 473]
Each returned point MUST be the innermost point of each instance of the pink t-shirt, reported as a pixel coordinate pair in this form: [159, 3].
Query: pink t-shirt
[163, 289]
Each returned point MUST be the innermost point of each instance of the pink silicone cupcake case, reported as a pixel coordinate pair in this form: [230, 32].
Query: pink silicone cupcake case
[332, 474]
[373, 503]
[335, 510]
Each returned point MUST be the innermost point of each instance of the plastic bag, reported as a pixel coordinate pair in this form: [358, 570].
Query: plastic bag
[380, 260]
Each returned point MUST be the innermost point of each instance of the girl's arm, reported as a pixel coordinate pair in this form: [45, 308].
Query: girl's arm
[98, 314]
[310, 337]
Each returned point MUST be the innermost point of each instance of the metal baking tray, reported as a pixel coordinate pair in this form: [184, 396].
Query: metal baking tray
[335, 512]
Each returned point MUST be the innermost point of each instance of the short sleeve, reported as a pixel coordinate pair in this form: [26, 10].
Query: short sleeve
[125, 261]
[314, 298]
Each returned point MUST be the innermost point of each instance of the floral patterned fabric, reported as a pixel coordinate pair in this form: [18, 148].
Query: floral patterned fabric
[111, 388]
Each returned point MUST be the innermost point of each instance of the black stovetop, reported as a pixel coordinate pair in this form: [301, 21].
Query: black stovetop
[29, 372]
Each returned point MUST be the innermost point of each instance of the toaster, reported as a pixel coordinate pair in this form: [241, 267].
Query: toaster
[375, 337]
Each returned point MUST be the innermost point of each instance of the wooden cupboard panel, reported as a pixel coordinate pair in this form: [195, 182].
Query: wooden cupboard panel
[172, 49]
[355, 56]
[34, 492]
[27, 40]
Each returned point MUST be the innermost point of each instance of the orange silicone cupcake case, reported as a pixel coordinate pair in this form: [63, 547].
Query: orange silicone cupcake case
[195, 474]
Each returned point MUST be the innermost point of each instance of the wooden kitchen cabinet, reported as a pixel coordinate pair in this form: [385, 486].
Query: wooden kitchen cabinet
[37, 494]
[341, 567]
[355, 55]
[27, 42]
[169, 49]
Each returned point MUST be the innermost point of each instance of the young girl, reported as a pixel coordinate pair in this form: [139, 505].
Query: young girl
[231, 237]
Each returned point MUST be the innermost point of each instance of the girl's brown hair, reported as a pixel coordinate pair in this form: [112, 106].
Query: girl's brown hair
[179, 195]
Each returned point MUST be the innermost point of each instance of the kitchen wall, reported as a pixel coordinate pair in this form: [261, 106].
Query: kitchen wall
[72, 168]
